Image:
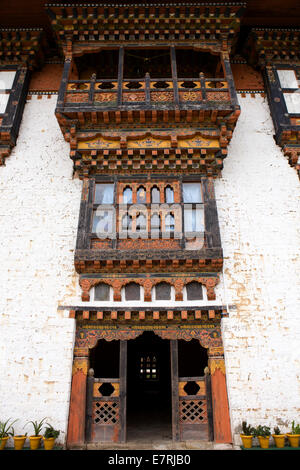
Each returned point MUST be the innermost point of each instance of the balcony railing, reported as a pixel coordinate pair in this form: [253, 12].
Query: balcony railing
[148, 93]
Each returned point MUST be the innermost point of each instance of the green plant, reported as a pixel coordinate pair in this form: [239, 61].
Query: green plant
[247, 429]
[37, 426]
[6, 429]
[51, 432]
[295, 428]
[277, 431]
[263, 431]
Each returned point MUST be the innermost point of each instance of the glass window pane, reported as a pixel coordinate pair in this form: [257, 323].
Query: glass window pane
[127, 222]
[163, 291]
[194, 219]
[287, 78]
[292, 101]
[170, 223]
[192, 192]
[155, 195]
[155, 224]
[169, 195]
[3, 102]
[127, 196]
[102, 222]
[141, 222]
[132, 291]
[102, 292]
[104, 193]
[141, 195]
[7, 79]
[194, 291]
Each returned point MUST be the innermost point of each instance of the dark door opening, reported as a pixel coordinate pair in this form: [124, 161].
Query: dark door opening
[149, 404]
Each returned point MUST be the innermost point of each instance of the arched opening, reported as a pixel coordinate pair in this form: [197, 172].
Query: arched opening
[141, 195]
[169, 195]
[155, 195]
[127, 195]
[102, 292]
[162, 291]
[149, 409]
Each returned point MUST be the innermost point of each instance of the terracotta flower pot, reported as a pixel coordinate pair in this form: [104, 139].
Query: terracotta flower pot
[293, 439]
[35, 442]
[264, 442]
[3, 441]
[19, 442]
[49, 443]
[247, 441]
[279, 440]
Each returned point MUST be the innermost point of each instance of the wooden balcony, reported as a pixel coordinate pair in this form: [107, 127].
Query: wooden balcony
[148, 100]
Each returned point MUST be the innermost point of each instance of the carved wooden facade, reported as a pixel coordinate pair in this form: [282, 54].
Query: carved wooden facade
[21, 51]
[144, 137]
[276, 51]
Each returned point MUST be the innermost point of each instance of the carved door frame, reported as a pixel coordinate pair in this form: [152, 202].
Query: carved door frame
[87, 337]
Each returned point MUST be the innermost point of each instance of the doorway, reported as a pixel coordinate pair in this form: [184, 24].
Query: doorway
[149, 402]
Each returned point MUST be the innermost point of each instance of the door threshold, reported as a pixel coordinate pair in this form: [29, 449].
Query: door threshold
[159, 445]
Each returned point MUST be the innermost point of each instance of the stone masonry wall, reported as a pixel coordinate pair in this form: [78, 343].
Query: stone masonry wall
[39, 207]
[258, 206]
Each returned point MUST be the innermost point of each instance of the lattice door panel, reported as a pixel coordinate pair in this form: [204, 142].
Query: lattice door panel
[105, 413]
[105, 410]
[193, 421]
[193, 411]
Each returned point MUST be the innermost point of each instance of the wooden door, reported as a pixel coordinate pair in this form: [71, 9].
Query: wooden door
[106, 405]
[191, 403]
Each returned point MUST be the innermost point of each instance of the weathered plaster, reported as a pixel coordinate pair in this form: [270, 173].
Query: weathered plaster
[258, 207]
[39, 207]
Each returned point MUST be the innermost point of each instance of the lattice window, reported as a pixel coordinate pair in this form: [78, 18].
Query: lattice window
[106, 413]
[193, 411]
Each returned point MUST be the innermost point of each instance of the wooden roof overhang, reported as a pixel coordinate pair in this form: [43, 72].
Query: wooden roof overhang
[21, 50]
[22, 47]
[267, 46]
[90, 26]
[149, 315]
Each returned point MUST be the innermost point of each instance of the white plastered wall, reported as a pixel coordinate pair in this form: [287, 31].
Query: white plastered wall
[258, 207]
[39, 208]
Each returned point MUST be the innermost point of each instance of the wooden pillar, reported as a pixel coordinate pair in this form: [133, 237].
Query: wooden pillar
[221, 419]
[175, 393]
[77, 410]
[123, 390]
[89, 405]
[174, 75]
[229, 77]
[120, 75]
[66, 75]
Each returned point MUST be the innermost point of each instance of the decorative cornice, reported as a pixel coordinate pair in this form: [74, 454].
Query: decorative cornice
[113, 22]
[24, 46]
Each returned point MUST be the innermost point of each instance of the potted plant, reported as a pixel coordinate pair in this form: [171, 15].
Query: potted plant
[19, 440]
[294, 435]
[49, 437]
[278, 437]
[35, 439]
[6, 430]
[247, 435]
[263, 434]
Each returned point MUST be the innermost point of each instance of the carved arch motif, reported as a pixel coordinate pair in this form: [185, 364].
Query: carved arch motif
[209, 338]
[148, 284]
